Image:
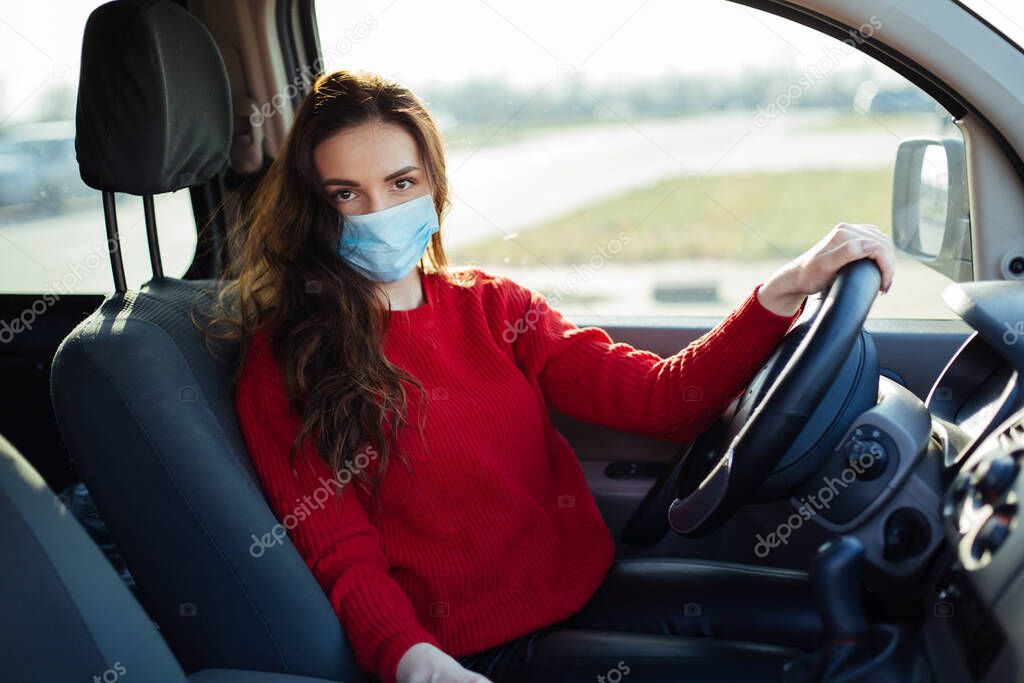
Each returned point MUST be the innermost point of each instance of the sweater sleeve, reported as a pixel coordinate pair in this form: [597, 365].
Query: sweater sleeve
[586, 375]
[338, 542]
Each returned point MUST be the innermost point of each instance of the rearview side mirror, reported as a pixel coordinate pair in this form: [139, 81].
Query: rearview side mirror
[930, 210]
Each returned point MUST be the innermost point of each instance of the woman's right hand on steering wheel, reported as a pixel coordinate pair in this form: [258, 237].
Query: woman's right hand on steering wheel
[812, 271]
[424, 663]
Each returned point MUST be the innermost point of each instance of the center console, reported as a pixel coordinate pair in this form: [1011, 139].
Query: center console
[980, 593]
[936, 513]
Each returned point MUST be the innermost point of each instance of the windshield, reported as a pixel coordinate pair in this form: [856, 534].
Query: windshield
[1005, 15]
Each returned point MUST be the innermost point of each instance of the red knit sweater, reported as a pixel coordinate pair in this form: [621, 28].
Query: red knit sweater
[493, 533]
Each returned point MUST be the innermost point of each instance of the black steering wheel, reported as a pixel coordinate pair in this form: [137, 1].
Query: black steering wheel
[745, 449]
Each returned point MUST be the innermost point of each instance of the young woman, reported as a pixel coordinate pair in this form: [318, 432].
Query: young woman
[396, 415]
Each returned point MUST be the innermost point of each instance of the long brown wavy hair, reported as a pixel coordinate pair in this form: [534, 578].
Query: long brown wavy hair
[325, 320]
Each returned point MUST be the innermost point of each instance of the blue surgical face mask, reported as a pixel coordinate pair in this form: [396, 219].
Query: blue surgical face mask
[385, 245]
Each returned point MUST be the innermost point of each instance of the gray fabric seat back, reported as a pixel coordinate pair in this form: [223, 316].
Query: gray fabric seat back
[148, 417]
[66, 615]
[145, 410]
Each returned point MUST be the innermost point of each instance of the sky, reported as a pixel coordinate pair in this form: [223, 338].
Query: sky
[526, 41]
[522, 41]
[1006, 15]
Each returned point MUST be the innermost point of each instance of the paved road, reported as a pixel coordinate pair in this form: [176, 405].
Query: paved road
[510, 188]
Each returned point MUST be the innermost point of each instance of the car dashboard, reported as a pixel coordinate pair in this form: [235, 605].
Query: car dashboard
[975, 630]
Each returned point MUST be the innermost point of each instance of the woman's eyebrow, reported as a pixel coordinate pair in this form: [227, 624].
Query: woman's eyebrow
[352, 183]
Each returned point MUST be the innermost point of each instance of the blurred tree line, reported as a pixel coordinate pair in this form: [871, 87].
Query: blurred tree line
[564, 100]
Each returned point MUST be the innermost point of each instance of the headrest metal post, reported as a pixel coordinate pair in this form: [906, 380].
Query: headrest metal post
[151, 237]
[114, 242]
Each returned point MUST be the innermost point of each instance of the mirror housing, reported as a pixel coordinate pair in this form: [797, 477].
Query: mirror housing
[930, 208]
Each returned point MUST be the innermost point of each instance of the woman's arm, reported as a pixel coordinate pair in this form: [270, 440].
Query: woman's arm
[338, 542]
[586, 375]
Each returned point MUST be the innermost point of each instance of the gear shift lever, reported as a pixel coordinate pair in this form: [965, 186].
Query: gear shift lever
[885, 653]
[835, 580]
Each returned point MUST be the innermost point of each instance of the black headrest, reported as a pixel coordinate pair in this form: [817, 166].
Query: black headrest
[154, 104]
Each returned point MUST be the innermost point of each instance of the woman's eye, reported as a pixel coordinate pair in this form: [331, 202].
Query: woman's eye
[342, 195]
[410, 182]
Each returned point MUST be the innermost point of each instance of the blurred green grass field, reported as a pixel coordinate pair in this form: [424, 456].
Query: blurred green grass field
[740, 217]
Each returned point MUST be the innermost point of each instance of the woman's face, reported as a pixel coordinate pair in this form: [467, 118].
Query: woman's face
[370, 167]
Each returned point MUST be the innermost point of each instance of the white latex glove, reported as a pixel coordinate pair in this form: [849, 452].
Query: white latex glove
[424, 663]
